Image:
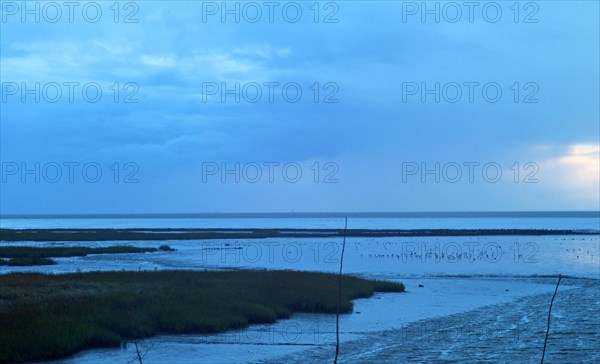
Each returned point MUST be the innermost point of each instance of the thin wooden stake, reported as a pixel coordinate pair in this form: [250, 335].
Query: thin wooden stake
[549, 312]
[137, 350]
[337, 317]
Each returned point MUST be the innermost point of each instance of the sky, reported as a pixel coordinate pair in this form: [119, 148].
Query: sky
[331, 106]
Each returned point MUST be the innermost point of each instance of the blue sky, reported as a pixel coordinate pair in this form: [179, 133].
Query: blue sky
[174, 144]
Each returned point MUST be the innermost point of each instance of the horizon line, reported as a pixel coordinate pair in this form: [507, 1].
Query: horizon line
[504, 213]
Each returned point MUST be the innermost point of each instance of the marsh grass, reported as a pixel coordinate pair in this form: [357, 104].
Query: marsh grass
[26, 261]
[52, 316]
[29, 256]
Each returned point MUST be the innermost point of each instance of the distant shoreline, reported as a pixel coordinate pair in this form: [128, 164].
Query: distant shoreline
[227, 233]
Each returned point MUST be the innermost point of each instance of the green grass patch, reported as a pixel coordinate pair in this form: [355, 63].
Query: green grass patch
[52, 316]
[26, 261]
[29, 256]
[165, 248]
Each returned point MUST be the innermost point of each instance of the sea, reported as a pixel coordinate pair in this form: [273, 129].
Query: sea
[579, 220]
[480, 299]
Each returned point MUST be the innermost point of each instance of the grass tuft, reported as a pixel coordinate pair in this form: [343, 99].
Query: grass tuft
[29, 256]
[52, 316]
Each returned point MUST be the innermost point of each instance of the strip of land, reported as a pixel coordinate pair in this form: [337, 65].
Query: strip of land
[203, 234]
[28, 256]
[53, 316]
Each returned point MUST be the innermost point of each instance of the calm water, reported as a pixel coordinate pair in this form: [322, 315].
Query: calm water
[564, 220]
[481, 293]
